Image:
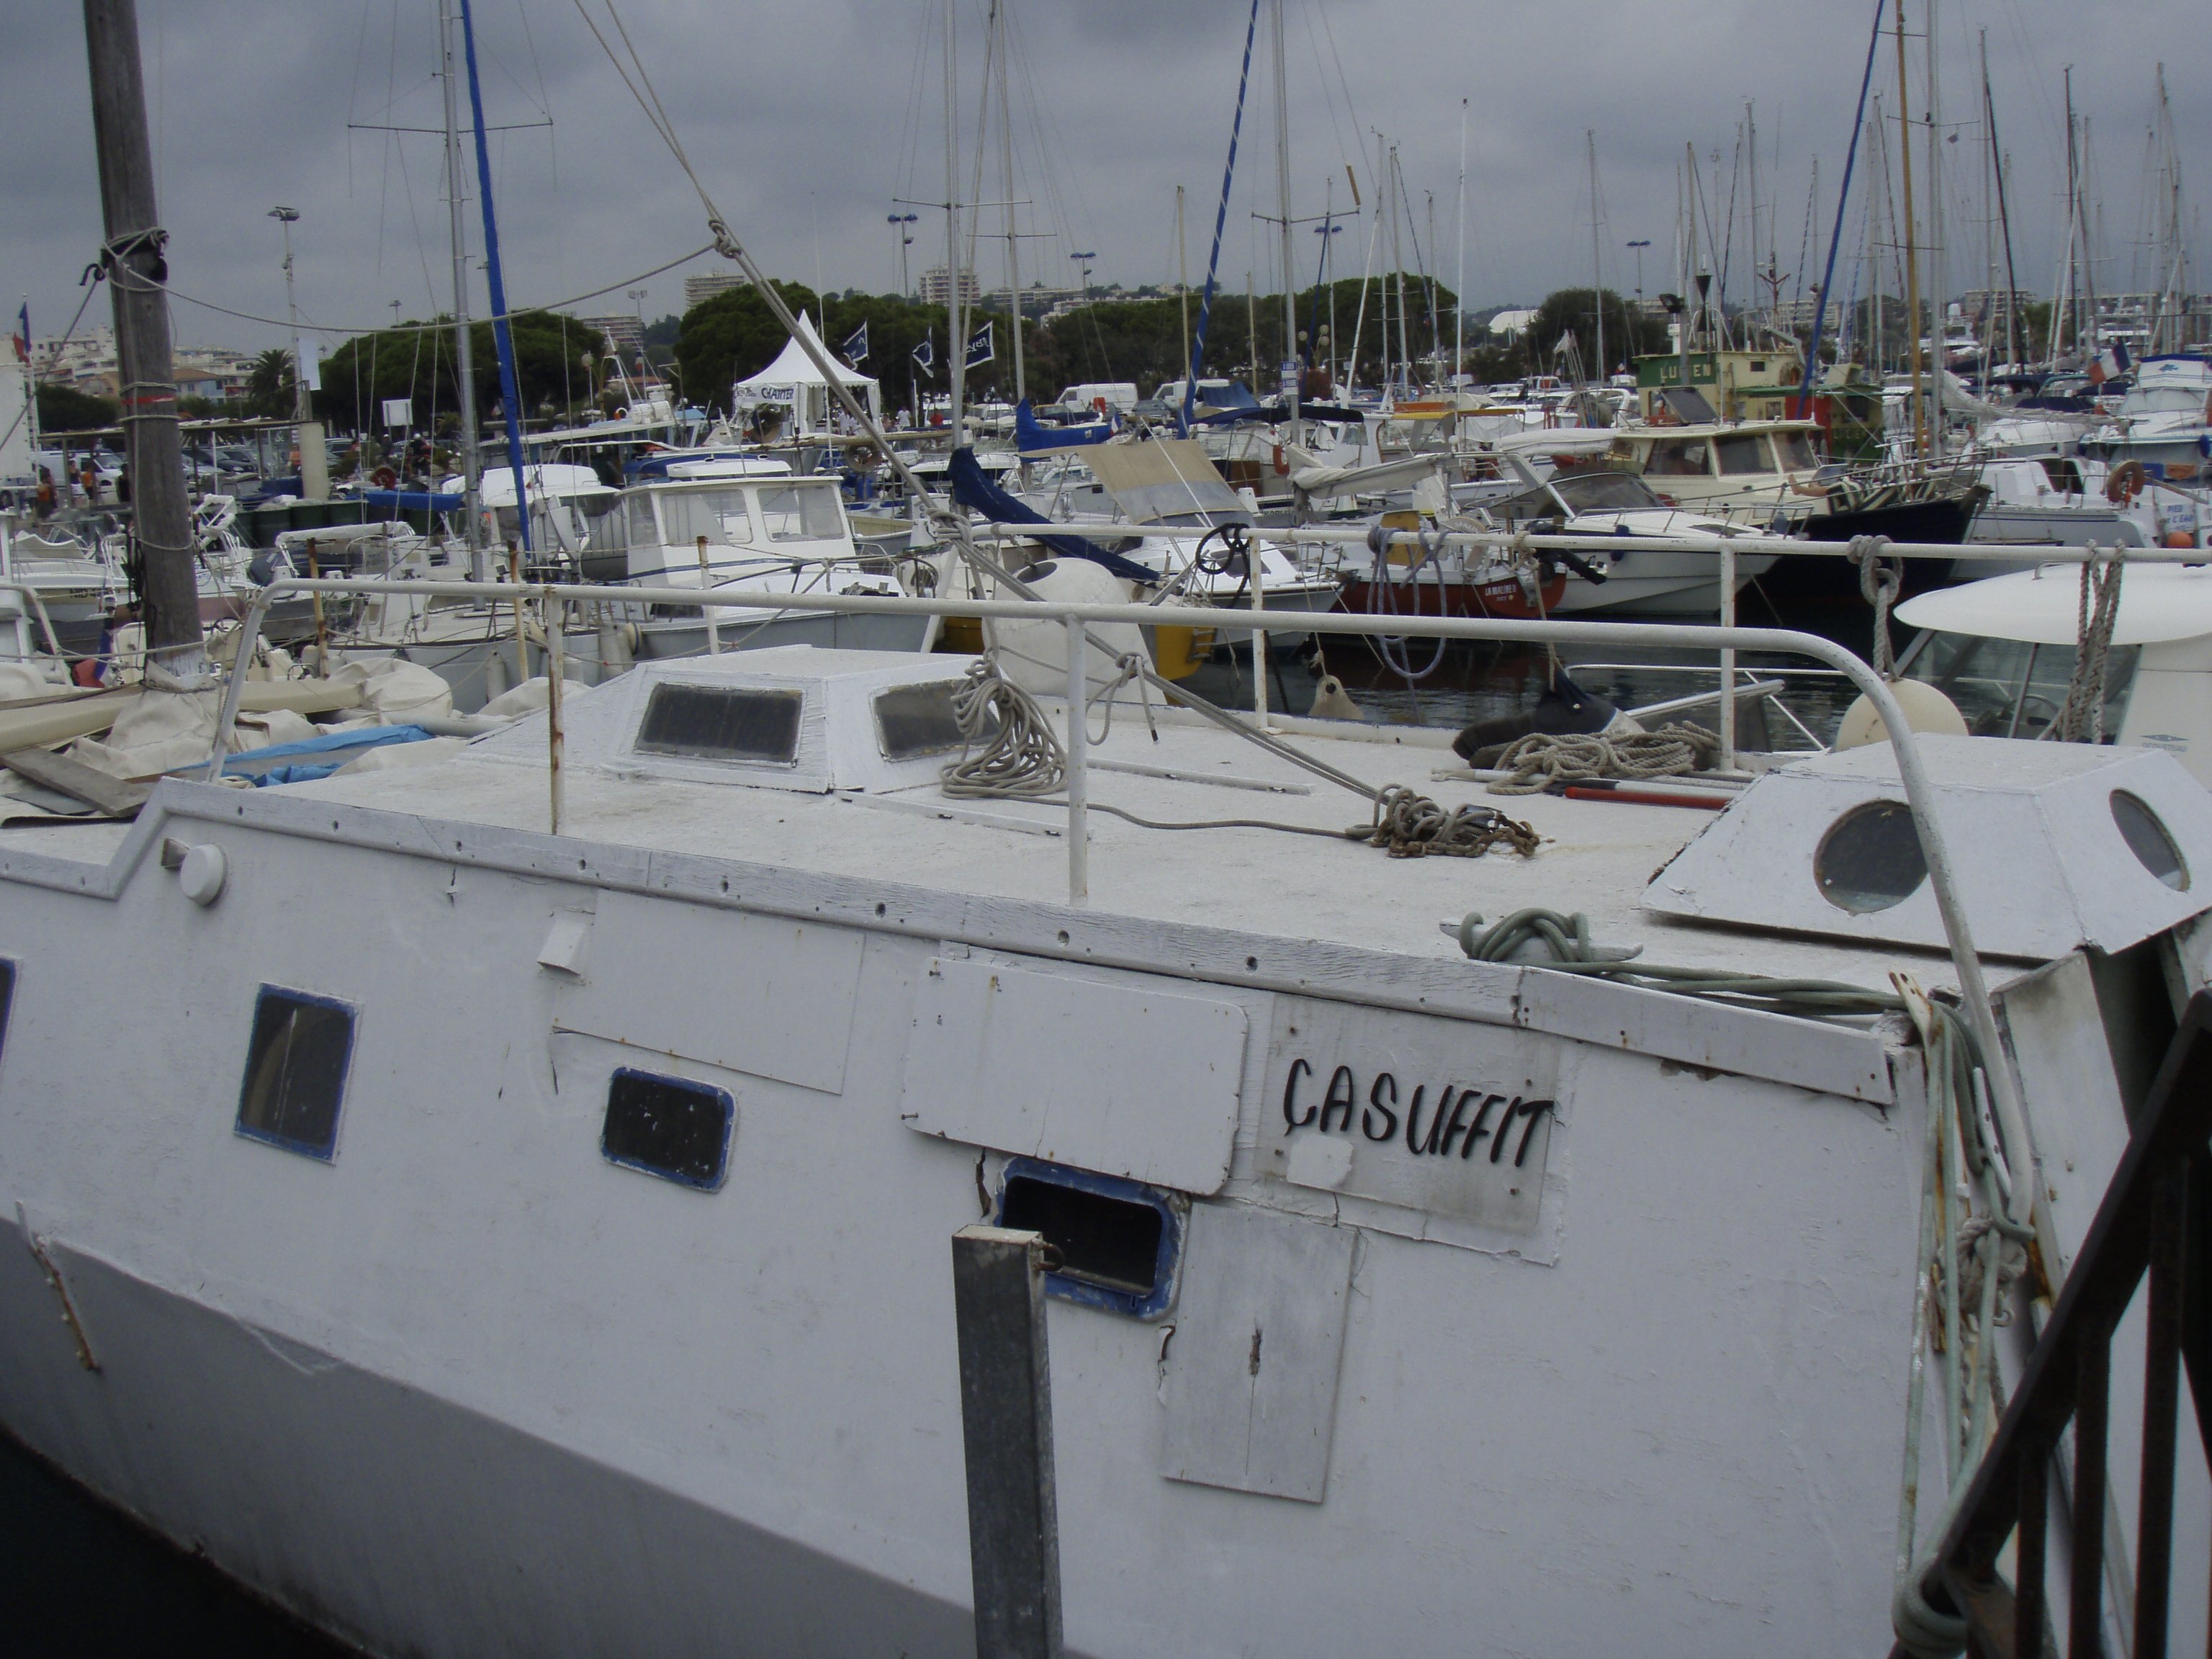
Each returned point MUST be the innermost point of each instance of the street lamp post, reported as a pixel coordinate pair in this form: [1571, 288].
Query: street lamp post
[1085, 259]
[898, 223]
[637, 309]
[1639, 247]
[287, 218]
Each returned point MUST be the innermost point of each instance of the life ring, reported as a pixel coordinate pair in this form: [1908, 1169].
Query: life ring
[2125, 481]
[385, 478]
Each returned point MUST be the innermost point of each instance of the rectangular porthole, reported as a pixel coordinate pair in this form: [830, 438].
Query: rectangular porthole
[668, 1126]
[709, 722]
[912, 720]
[7, 998]
[295, 1072]
[1118, 1239]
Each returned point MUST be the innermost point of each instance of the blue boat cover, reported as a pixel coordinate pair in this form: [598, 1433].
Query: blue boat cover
[1030, 436]
[342, 745]
[394, 499]
[976, 491]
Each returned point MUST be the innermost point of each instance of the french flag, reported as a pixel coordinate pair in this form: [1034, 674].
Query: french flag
[22, 337]
[2112, 364]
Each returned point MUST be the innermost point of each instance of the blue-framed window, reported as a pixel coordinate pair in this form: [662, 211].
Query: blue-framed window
[668, 1126]
[295, 1072]
[1118, 1239]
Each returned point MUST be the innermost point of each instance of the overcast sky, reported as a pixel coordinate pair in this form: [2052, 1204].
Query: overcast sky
[805, 122]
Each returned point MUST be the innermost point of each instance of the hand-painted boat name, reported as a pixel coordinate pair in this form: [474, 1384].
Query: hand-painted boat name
[1464, 1118]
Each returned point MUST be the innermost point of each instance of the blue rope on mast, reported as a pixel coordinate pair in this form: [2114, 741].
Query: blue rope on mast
[502, 337]
[1220, 221]
[1835, 239]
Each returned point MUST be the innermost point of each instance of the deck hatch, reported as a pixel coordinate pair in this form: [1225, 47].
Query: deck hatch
[720, 723]
[295, 1072]
[1117, 1239]
[668, 1126]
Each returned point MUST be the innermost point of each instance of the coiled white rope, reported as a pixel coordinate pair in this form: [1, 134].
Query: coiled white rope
[1542, 759]
[1020, 756]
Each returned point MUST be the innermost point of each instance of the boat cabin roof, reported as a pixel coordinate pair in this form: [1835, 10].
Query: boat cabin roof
[2158, 602]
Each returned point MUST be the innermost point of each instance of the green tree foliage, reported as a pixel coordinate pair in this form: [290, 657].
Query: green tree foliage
[555, 370]
[270, 390]
[65, 408]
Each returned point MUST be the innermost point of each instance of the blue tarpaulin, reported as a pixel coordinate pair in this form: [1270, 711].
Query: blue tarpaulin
[972, 489]
[1030, 436]
[341, 746]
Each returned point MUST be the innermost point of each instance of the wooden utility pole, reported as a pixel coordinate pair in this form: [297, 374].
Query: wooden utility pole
[153, 448]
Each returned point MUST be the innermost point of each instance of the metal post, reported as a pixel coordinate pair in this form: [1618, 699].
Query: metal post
[706, 581]
[1252, 558]
[554, 614]
[134, 259]
[1728, 660]
[1078, 756]
[521, 646]
[1005, 1414]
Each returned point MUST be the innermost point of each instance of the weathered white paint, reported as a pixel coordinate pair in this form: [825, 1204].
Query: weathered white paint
[1251, 1366]
[1153, 1097]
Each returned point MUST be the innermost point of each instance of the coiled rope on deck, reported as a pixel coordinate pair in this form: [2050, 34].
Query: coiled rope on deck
[1019, 755]
[1541, 759]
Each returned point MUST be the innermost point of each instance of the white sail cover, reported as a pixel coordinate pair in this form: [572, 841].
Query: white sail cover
[792, 384]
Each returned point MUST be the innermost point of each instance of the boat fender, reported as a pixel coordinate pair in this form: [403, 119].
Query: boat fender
[1331, 704]
[200, 873]
[1926, 709]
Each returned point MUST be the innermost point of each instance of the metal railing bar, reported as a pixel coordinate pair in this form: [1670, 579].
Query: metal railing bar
[2092, 1376]
[2161, 1402]
[2030, 1604]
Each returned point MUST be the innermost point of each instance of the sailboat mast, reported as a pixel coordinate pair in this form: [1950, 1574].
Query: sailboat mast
[1183, 276]
[1459, 280]
[1911, 253]
[1292, 358]
[1597, 270]
[956, 346]
[1938, 249]
[1006, 173]
[1398, 260]
[463, 357]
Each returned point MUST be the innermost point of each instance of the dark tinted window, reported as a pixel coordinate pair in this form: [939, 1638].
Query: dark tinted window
[2145, 835]
[917, 719]
[7, 997]
[295, 1071]
[667, 1127]
[710, 722]
[1871, 858]
[1116, 1238]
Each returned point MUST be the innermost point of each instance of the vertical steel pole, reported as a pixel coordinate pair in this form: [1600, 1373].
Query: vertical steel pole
[555, 616]
[1078, 756]
[1728, 659]
[713, 617]
[1006, 1413]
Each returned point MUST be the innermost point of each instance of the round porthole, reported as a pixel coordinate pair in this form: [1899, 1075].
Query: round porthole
[1870, 858]
[2147, 838]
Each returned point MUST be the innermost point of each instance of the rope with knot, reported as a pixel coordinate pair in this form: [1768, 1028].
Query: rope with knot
[1881, 580]
[1408, 825]
[1396, 654]
[2082, 718]
[1542, 759]
[1020, 756]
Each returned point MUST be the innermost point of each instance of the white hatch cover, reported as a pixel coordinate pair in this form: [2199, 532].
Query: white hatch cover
[790, 717]
[2056, 845]
[1127, 1078]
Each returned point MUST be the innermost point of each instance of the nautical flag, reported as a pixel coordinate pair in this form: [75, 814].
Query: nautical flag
[926, 353]
[980, 349]
[856, 345]
[2114, 362]
[23, 336]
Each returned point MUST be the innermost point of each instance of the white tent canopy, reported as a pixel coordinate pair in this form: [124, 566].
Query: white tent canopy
[793, 385]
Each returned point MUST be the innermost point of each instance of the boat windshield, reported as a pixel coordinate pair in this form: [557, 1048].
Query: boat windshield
[719, 515]
[1795, 451]
[1742, 452]
[2009, 688]
[1605, 492]
[1677, 457]
[802, 513]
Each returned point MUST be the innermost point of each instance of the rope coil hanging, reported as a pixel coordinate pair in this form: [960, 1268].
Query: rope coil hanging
[2082, 718]
[1882, 578]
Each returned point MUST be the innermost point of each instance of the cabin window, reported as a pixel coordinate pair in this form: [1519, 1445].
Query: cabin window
[1118, 1239]
[802, 513]
[2147, 838]
[1678, 458]
[668, 1126]
[912, 720]
[1870, 858]
[719, 515]
[1796, 452]
[643, 532]
[722, 723]
[1742, 452]
[295, 1072]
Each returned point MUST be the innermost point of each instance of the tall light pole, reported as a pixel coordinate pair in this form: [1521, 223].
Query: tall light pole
[1639, 247]
[287, 218]
[1085, 259]
[637, 309]
[898, 223]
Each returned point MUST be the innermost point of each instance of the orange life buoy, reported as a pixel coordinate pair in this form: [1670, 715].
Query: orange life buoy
[384, 477]
[2125, 483]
